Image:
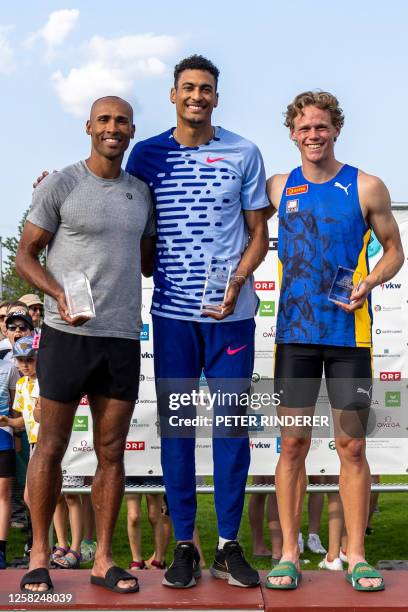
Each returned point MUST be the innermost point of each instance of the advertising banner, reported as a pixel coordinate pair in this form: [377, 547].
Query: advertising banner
[387, 443]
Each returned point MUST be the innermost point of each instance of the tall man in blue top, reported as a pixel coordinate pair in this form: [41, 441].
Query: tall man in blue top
[209, 191]
[326, 212]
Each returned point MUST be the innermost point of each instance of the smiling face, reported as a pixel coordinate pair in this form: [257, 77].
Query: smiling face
[195, 97]
[315, 135]
[110, 127]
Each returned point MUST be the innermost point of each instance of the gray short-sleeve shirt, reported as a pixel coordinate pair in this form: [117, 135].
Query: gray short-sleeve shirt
[97, 225]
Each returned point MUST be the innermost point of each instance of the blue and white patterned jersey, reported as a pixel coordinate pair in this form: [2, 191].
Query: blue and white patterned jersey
[200, 194]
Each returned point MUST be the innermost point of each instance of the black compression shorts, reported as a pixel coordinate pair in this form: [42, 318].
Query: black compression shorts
[299, 369]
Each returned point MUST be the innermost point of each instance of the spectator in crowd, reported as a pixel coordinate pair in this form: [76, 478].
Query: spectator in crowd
[314, 512]
[24, 402]
[333, 559]
[15, 306]
[19, 324]
[134, 528]
[375, 479]
[35, 308]
[68, 511]
[88, 544]
[5, 346]
[256, 516]
[8, 379]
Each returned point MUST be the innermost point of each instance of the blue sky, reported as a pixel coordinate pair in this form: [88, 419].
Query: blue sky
[56, 56]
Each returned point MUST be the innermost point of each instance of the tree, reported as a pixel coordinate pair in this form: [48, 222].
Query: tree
[13, 285]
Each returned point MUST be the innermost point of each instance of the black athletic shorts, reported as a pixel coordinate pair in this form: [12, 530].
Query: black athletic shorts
[299, 369]
[7, 463]
[70, 366]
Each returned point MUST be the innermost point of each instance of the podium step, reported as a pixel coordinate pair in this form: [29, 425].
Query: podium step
[319, 591]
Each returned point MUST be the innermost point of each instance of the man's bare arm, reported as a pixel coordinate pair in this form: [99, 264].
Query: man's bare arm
[274, 189]
[253, 255]
[379, 216]
[376, 206]
[33, 240]
[147, 252]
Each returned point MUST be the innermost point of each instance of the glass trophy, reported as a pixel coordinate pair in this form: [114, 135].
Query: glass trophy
[344, 282]
[216, 284]
[78, 295]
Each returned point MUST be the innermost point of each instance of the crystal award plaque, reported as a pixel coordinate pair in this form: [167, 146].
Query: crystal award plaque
[216, 284]
[78, 294]
[344, 282]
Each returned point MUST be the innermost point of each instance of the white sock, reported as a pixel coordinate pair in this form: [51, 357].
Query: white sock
[221, 542]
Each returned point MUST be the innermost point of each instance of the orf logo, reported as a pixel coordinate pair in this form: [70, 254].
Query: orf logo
[390, 375]
[264, 285]
[132, 445]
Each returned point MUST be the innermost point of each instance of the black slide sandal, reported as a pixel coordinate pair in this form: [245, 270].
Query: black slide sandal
[112, 577]
[37, 576]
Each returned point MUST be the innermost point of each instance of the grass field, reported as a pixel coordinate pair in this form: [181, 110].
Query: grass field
[389, 540]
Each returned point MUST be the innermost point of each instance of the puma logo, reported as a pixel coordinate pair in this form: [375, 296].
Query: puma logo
[340, 186]
[361, 390]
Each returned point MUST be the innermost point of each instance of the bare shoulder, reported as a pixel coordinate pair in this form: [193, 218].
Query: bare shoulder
[372, 192]
[274, 188]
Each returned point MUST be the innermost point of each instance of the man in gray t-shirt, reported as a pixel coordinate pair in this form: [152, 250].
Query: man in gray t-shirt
[96, 219]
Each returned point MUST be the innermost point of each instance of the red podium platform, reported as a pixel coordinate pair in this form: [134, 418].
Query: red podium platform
[327, 591]
[318, 592]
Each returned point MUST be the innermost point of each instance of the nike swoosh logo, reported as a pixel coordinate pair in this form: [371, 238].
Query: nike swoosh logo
[215, 159]
[231, 351]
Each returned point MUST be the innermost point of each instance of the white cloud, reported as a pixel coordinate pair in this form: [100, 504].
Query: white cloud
[7, 63]
[111, 68]
[53, 34]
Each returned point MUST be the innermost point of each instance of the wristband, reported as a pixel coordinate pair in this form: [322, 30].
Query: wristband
[236, 278]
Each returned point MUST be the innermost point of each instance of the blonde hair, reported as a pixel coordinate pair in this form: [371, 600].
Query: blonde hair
[321, 99]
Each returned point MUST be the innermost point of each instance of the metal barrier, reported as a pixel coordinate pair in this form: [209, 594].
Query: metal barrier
[385, 487]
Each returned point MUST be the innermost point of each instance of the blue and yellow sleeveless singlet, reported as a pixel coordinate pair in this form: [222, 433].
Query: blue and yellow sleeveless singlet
[321, 227]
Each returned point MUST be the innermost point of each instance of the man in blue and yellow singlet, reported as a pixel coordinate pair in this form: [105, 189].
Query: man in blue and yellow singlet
[326, 212]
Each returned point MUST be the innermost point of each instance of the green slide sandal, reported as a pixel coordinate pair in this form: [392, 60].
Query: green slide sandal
[364, 570]
[285, 568]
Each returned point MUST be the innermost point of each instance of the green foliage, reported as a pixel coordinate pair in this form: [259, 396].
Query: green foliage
[13, 285]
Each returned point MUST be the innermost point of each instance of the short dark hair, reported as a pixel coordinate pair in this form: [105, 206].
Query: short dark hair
[196, 62]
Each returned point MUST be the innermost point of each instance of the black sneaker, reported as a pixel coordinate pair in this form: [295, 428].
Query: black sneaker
[185, 567]
[230, 564]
